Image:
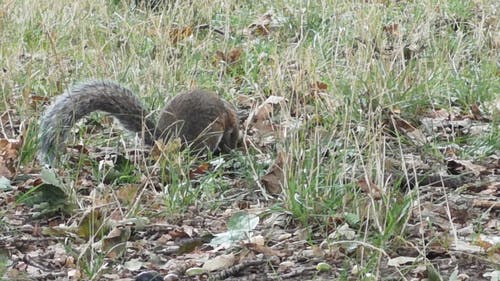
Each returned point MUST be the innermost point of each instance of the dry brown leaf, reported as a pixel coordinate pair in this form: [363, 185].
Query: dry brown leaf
[229, 58]
[261, 26]
[114, 244]
[485, 204]
[315, 91]
[262, 116]
[476, 113]
[370, 188]
[407, 129]
[245, 101]
[219, 262]
[180, 33]
[178, 233]
[456, 166]
[274, 179]
[127, 194]
[438, 113]
[450, 153]
[200, 170]
[9, 152]
[262, 249]
[391, 29]
[37, 101]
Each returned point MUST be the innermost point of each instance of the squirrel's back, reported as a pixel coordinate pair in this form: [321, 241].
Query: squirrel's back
[201, 119]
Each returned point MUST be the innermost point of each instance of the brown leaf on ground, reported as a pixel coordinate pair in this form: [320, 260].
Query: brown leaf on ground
[180, 33]
[198, 171]
[261, 26]
[263, 114]
[262, 117]
[486, 204]
[439, 113]
[274, 179]
[456, 167]
[127, 194]
[391, 29]
[114, 244]
[219, 262]
[316, 89]
[370, 188]
[245, 101]
[262, 249]
[9, 152]
[228, 58]
[477, 114]
[406, 128]
[36, 101]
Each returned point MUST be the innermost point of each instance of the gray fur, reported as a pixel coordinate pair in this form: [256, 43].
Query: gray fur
[80, 101]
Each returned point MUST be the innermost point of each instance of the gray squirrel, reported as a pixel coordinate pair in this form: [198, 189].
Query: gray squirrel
[200, 118]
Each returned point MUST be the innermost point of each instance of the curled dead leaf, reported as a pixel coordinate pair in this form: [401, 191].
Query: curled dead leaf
[200, 170]
[219, 262]
[9, 152]
[406, 128]
[179, 33]
[370, 188]
[486, 204]
[228, 58]
[391, 29]
[457, 167]
[262, 249]
[114, 243]
[274, 179]
[262, 115]
[261, 26]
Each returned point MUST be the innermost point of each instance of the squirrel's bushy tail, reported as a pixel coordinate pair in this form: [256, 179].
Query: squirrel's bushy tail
[80, 101]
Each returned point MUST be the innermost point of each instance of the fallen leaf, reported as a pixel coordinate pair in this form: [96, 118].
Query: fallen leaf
[127, 194]
[262, 115]
[261, 26]
[370, 188]
[466, 247]
[114, 244]
[316, 89]
[406, 128]
[133, 264]
[485, 204]
[274, 178]
[228, 58]
[38, 101]
[323, 267]
[398, 261]
[200, 170]
[179, 33]
[219, 262]
[9, 152]
[476, 112]
[92, 224]
[456, 167]
[391, 29]
[262, 249]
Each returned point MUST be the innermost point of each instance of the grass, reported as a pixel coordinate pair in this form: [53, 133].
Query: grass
[47, 46]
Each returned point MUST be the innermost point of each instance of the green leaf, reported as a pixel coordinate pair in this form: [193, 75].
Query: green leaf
[243, 221]
[240, 226]
[5, 184]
